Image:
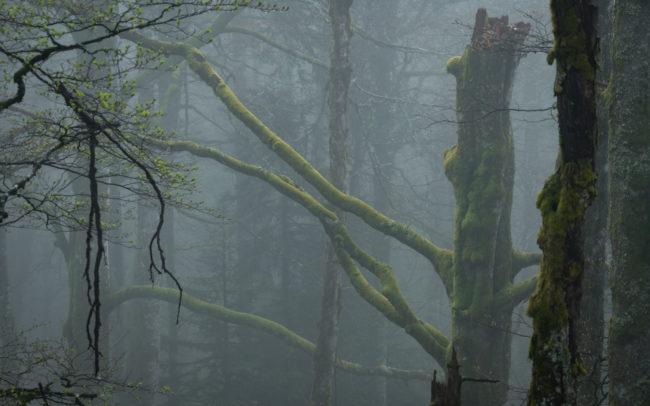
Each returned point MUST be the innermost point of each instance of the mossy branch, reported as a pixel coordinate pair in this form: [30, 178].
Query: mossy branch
[250, 320]
[440, 258]
[511, 295]
[390, 302]
[430, 339]
[217, 27]
[521, 260]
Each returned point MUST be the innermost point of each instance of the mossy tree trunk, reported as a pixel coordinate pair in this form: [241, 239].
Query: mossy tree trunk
[481, 169]
[591, 324]
[629, 222]
[340, 73]
[555, 305]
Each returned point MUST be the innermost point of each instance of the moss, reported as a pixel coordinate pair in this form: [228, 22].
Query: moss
[570, 49]
[563, 202]
[454, 65]
[450, 162]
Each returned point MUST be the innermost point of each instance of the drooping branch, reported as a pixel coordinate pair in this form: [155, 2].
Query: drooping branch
[440, 258]
[250, 320]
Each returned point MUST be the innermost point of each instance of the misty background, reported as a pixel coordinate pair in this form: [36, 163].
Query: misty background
[250, 249]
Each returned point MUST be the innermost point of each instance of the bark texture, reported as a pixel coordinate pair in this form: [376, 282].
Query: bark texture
[591, 324]
[555, 305]
[629, 153]
[481, 169]
[340, 73]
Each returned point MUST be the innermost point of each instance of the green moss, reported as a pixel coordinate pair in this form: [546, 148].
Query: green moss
[450, 162]
[570, 49]
[563, 202]
[454, 65]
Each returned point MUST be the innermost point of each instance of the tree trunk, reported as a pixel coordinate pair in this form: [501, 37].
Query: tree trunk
[481, 169]
[337, 96]
[555, 305]
[6, 314]
[629, 222]
[591, 324]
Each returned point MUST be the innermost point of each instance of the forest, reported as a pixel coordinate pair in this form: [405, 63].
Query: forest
[325, 202]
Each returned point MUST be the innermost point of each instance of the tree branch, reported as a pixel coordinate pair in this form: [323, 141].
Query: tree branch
[440, 258]
[250, 320]
[521, 260]
[513, 294]
[390, 302]
[284, 48]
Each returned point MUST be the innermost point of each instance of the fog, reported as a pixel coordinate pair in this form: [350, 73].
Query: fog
[238, 246]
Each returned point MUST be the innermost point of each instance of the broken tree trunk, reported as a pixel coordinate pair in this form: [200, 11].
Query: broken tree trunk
[481, 168]
[449, 394]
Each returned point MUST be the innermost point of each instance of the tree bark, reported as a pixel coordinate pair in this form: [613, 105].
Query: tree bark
[555, 305]
[629, 221]
[591, 324]
[481, 169]
[340, 73]
[6, 314]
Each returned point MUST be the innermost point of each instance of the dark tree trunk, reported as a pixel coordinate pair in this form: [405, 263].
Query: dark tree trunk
[591, 324]
[447, 394]
[555, 305]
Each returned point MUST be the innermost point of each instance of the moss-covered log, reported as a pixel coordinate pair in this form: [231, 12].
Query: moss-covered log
[629, 222]
[555, 305]
[481, 169]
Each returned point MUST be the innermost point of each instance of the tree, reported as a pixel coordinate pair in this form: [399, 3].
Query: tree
[591, 323]
[481, 169]
[340, 74]
[629, 217]
[555, 305]
[49, 372]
